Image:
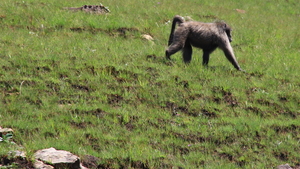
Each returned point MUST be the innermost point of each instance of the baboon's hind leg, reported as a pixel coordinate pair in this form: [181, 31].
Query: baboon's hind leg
[176, 46]
[173, 49]
[179, 39]
[187, 52]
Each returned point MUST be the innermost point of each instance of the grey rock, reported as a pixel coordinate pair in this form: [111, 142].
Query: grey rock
[96, 9]
[17, 154]
[58, 159]
[285, 166]
[40, 165]
[4, 131]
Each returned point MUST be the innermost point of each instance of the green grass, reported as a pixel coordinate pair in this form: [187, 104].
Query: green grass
[75, 82]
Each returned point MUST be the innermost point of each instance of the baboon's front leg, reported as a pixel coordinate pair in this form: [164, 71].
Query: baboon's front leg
[206, 53]
[205, 58]
[228, 51]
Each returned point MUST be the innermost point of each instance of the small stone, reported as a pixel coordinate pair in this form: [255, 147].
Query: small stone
[3, 131]
[285, 166]
[240, 11]
[18, 154]
[147, 37]
[40, 165]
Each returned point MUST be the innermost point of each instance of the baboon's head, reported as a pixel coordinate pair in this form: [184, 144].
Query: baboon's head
[228, 30]
[223, 27]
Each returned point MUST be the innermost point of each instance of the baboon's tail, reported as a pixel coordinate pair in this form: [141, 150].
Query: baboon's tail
[176, 20]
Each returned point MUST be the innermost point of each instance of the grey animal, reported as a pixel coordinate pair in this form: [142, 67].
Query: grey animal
[207, 36]
[97, 9]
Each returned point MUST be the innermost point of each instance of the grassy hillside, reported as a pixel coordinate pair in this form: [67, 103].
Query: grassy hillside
[90, 84]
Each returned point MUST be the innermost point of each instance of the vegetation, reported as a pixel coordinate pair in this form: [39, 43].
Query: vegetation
[90, 84]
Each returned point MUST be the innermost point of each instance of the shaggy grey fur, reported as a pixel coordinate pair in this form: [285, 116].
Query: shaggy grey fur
[207, 36]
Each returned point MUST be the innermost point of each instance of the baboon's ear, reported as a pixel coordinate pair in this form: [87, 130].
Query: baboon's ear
[225, 26]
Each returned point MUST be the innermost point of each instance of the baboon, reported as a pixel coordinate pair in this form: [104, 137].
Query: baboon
[207, 36]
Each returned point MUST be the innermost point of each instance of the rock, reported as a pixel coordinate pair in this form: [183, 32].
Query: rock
[4, 131]
[57, 159]
[6, 135]
[40, 165]
[17, 154]
[16, 158]
[240, 11]
[147, 37]
[285, 166]
[96, 9]
[188, 18]
[90, 161]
